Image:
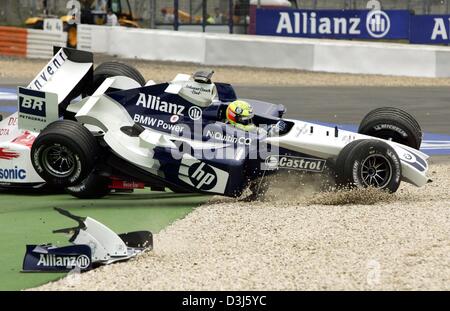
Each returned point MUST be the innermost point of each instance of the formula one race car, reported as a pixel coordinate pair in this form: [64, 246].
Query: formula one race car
[96, 130]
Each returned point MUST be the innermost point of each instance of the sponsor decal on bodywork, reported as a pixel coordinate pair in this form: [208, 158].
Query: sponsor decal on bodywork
[26, 139]
[6, 154]
[127, 185]
[198, 93]
[407, 156]
[8, 128]
[414, 160]
[155, 103]
[295, 163]
[15, 173]
[4, 131]
[32, 103]
[36, 109]
[195, 113]
[202, 176]
[174, 119]
[229, 138]
[197, 89]
[158, 123]
[47, 73]
[12, 121]
[51, 258]
[301, 130]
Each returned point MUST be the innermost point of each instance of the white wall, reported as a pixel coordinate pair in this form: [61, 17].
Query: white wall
[40, 43]
[159, 45]
[269, 52]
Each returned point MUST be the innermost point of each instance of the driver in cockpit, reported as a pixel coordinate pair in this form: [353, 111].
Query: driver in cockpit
[240, 114]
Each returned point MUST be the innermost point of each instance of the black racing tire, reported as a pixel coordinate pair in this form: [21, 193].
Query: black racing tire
[392, 124]
[113, 69]
[340, 177]
[93, 187]
[368, 163]
[68, 144]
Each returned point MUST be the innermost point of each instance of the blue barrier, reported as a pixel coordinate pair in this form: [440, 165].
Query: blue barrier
[335, 24]
[354, 24]
[430, 29]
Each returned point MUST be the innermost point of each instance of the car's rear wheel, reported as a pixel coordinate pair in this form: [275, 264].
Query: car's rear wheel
[101, 73]
[368, 163]
[93, 187]
[64, 153]
[112, 69]
[392, 124]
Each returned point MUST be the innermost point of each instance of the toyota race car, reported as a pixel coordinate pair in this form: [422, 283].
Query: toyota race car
[91, 131]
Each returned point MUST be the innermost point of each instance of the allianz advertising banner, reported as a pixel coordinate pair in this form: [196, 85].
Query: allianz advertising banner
[334, 24]
[430, 29]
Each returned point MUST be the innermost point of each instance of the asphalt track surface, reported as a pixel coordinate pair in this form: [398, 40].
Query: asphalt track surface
[348, 105]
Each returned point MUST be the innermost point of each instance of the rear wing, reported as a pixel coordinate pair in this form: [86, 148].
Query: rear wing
[65, 77]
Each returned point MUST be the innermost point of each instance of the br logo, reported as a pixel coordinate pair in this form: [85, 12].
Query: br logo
[378, 23]
[202, 176]
[32, 105]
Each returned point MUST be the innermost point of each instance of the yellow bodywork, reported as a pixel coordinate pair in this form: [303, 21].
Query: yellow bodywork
[37, 19]
[71, 29]
[128, 23]
[185, 17]
[33, 20]
[65, 18]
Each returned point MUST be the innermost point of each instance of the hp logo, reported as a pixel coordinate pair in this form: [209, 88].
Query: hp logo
[195, 113]
[378, 24]
[202, 176]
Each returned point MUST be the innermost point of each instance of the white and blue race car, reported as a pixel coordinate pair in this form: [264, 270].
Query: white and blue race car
[91, 131]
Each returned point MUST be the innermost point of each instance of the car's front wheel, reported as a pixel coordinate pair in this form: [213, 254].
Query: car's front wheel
[64, 153]
[368, 163]
[392, 124]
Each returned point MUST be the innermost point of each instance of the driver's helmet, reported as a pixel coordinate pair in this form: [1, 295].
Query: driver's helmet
[240, 114]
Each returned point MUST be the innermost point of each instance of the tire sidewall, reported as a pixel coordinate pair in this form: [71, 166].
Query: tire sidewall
[342, 180]
[362, 151]
[391, 123]
[113, 69]
[82, 169]
[375, 128]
